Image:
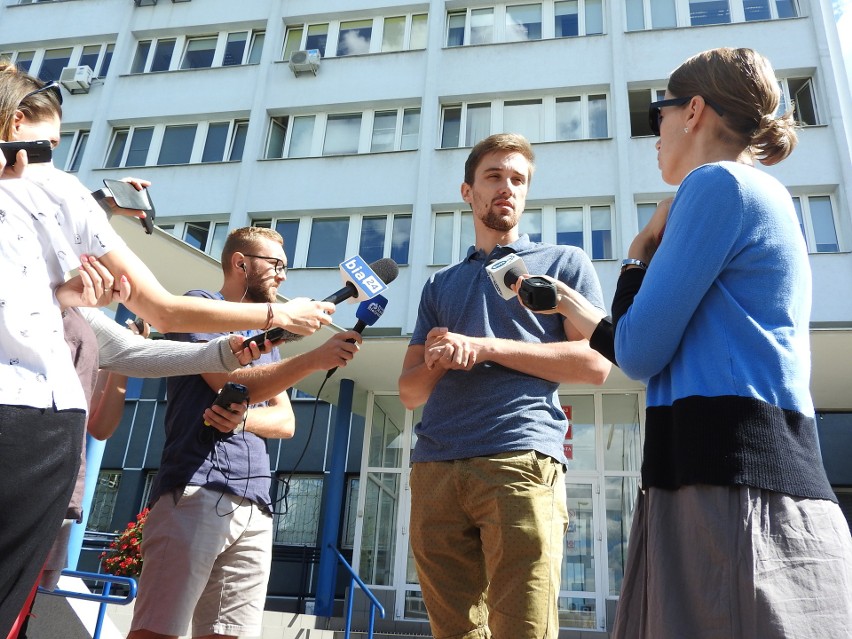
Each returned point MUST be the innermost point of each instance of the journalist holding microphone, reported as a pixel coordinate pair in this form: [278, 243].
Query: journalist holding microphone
[488, 503]
[737, 532]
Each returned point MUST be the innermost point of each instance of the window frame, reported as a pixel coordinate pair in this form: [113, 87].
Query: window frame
[807, 222]
[254, 37]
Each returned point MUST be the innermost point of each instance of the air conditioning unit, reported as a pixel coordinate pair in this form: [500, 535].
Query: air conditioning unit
[76, 79]
[305, 61]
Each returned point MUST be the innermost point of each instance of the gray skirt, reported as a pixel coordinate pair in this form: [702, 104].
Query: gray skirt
[715, 562]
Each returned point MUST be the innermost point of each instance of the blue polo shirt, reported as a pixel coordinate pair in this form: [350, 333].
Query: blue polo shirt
[492, 409]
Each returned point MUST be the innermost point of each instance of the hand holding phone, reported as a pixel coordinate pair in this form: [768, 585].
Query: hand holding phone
[274, 335]
[231, 393]
[37, 151]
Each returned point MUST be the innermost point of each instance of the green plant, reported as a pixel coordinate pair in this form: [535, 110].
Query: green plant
[123, 557]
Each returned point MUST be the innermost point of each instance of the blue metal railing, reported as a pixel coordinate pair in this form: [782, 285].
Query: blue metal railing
[374, 603]
[103, 598]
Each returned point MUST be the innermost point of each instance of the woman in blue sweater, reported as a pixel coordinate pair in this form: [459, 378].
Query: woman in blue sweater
[737, 532]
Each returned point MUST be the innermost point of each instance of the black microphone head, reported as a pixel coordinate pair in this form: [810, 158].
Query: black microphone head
[386, 269]
[511, 276]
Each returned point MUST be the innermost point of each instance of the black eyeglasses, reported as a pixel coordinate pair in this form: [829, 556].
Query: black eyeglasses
[49, 86]
[654, 116]
[279, 266]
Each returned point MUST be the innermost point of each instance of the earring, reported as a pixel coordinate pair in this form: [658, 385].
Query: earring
[685, 130]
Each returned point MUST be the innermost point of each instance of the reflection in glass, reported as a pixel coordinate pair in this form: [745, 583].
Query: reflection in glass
[569, 119]
[302, 136]
[523, 22]
[328, 241]
[378, 534]
[442, 246]
[621, 495]
[531, 224]
[580, 447]
[341, 134]
[177, 144]
[524, 117]
[578, 565]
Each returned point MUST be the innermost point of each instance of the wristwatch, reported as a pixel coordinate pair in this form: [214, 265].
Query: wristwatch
[632, 261]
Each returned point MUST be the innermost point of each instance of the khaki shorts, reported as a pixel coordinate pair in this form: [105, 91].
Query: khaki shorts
[487, 539]
[206, 559]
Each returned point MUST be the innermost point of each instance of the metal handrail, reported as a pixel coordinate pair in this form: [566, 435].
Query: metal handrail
[104, 598]
[374, 603]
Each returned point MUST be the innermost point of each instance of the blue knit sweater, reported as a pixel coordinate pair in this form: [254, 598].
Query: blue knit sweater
[718, 328]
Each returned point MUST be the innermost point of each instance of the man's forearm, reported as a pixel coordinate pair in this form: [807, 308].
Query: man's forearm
[565, 362]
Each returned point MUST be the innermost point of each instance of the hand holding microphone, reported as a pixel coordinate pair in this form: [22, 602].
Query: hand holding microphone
[368, 313]
[537, 293]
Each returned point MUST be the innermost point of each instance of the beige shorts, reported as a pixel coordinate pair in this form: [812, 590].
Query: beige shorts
[206, 559]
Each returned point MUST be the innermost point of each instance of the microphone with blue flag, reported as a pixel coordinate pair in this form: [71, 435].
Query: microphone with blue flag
[368, 313]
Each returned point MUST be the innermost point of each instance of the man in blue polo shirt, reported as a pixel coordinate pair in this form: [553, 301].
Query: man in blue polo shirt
[488, 509]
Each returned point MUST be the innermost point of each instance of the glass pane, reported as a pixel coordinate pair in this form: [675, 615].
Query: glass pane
[620, 498]
[214, 145]
[569, 119]
[531, 224]
[302, 136]
[298, 523]
[579, 443]
[292, 41]
[635, 15]
[467, 237]
[786, 8]
[77, 156]
[277, 135]
[116, 150]
[60, 153]
[597, 117]
[177, 144]
[103, 502]
[386, 442]
[455, 29]
[709, 12]
[478, 123]
[351, 515]
[414, 606]
[342, 132]
[804, 107]
[577, 612]
[289, 230]
[163, 55]
[822, 218]
[622, 436]
[663, 15]
[354, 37]
[384, 131]
[328, 241]
[195, 234]
[141, 56]
[601, 233]
[566, 19]
[54, 61]
[24, 60]
[256, 49]
[410, 129]
[393, 35]
[452, 127]
[442, 242]
[89, 56]
[140, 142]
[401, 238]
[239, 143]
[644, 211]
[594, 17]
[756, 10]
[523, 22]
[199, 53]
[107, 60]
[482, 26]
[638, 102]
[569, 227]
[524, 117]
[220, 234]
[372, 245]
[317, 36]
[235, 48]
[378, 538]
[578, 565]
[417, 39]
[797, 203]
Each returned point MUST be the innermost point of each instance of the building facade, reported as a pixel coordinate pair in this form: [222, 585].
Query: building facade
[345, 124]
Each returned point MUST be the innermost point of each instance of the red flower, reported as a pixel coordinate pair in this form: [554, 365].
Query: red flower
[123, 557]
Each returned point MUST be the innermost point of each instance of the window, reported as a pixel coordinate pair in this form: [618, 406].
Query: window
[816, 220]
[317, 37]
[68, 155]
[769, 9]
[586, 227]
[178, 144]
[644, 211]
[289, 230]
[97, 57]
[575, 17]
[385, 236]
[204, 235]
[354, 37]
[523, 22]
[638, 101]
[799, 93]
[298, 524]
[327, 246]
[292, 41]
[663, 14]
[103, 502]
[199, 52]
[395, 129]
[573, 118]
[702, 12]
[54, 61]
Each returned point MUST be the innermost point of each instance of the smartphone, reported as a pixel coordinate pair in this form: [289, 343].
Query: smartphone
[107, 199]
[231, 393]
[37, 151]
[273, 335]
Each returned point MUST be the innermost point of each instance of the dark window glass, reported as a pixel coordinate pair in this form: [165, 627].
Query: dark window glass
[328, 241]
[214, 145]
[239, 144]
[401, 238]
[372, 244]
[289, 230]
[139, 145]
[163, 55]
[54, 61]
[141, 57]
[177, 144]
[234, 49]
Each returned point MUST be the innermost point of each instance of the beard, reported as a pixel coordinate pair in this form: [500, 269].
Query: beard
[499, 222]
[259, 292]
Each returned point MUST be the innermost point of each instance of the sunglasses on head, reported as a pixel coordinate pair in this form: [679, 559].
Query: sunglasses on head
[654, 116]
[48, 86]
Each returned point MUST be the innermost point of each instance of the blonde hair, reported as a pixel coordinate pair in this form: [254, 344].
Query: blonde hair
[743, 84]
[246, 240]
[14, 87]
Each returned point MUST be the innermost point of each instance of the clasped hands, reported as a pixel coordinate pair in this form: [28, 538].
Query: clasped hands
[450, 351]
